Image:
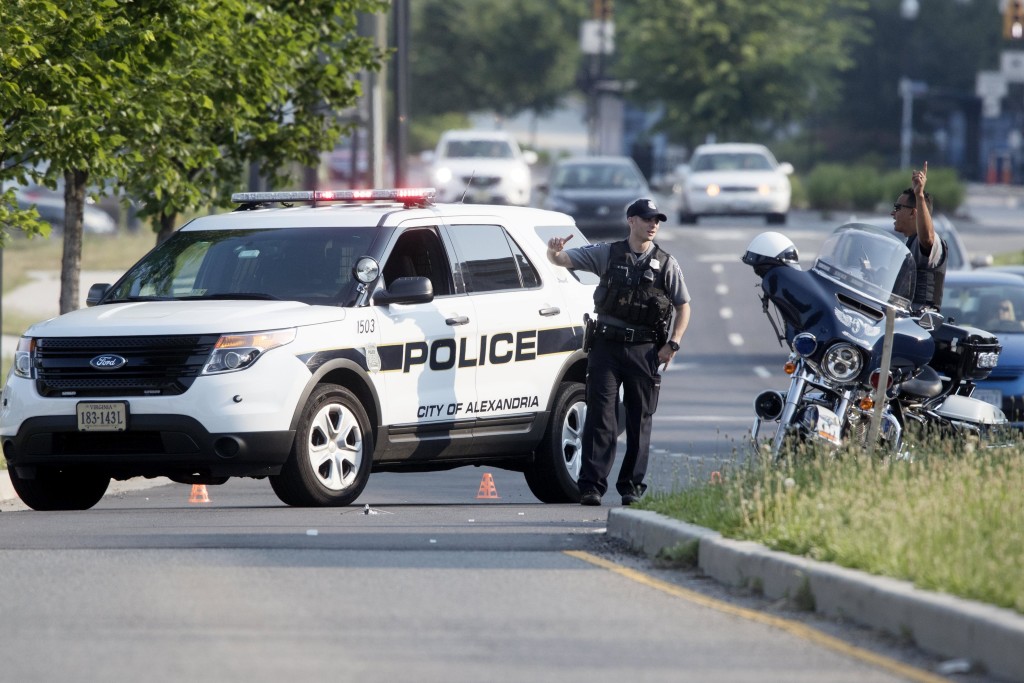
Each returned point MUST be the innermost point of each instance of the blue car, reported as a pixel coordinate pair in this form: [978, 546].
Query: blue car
[993, 301]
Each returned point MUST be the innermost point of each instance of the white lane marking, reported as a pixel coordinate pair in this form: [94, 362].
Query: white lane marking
[736, 339]
[702, 418]
[762, 371]
[717, 268]
[725, 312]
[721, 289]
[720, 258]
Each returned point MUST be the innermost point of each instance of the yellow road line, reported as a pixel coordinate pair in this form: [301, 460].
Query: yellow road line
[793, 627]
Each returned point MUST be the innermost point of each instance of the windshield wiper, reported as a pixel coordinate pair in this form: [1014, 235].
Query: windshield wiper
[260, 296]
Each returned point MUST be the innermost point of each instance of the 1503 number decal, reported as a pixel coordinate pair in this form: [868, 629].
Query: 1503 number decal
[365, 326]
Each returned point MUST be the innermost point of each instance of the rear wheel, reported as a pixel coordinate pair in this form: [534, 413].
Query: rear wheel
[60, 488]
[776, 219]
[687, 218]
[332, 454]
[554, 474]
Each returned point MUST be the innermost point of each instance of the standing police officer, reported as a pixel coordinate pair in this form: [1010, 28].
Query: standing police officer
[640, 293]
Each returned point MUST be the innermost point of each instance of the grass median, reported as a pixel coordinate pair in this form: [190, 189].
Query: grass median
[951, 520]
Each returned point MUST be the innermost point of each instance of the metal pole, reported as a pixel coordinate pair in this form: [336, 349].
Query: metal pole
[906, 127]
[401, 8]
[883, 379]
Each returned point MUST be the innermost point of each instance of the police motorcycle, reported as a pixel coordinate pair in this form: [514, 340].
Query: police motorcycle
[833, 319]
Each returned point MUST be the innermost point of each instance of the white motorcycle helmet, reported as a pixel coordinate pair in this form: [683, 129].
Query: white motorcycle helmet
[771, 249]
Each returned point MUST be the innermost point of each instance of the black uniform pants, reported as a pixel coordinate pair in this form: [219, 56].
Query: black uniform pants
[634, 367]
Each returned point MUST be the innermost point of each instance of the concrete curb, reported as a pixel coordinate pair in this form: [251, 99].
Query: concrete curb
[943, 625]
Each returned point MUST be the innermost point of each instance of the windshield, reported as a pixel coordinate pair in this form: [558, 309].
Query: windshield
[596, 176]
[492, 149]
[738, 161]
[870, 261]
[312, 265]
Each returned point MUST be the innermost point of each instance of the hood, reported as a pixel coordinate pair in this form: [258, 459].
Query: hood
[1012, 355]
[184, 317]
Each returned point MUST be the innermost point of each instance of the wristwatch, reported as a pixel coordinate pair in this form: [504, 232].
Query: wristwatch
[672, 345]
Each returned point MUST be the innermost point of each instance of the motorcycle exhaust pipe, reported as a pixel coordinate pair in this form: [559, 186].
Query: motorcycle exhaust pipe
[769, 405]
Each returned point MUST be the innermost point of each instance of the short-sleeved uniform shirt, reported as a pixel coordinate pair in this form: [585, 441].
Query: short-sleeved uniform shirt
[594, 258]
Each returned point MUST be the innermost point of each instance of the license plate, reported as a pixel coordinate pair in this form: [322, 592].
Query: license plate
[828, 426]
[993, 396]
[102, 417]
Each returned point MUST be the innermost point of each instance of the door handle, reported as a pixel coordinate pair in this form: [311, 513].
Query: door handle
[457, 320]
[552, 310]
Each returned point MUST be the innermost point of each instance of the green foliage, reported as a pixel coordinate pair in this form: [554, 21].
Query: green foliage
[841, 187]
[951, 520]
[425, 131]
[507, 57]
[734, 68]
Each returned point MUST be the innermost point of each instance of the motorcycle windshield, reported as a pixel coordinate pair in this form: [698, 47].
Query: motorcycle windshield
[869, 261]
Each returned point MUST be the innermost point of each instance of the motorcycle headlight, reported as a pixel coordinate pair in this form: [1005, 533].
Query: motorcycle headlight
[842, 362]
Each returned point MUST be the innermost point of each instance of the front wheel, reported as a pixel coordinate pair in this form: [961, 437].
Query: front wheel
[332, 453]
[554, 474]
[58, 488]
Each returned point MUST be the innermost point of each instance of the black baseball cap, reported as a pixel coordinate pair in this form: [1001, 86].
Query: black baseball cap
[645, 208]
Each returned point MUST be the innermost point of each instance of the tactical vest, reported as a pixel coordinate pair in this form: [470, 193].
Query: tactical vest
[930, 281]
[634, 293]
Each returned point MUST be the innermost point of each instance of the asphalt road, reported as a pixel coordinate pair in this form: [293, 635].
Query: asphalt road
[431, 582]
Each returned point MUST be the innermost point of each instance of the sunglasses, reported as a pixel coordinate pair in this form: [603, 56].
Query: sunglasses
[897, 206]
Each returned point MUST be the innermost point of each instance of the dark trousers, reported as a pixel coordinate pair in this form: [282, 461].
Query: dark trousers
[634, 367]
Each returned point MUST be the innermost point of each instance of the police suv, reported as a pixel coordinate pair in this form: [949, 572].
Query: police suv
[312, 338]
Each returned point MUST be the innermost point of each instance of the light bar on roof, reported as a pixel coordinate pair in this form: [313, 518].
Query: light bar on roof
[406, 195]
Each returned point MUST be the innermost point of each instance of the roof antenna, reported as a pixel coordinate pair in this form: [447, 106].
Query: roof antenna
[468, 183]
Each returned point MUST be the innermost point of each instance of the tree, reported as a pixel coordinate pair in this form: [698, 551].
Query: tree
[167, 98]
[735, 69]
[266, 88]
[493, 55]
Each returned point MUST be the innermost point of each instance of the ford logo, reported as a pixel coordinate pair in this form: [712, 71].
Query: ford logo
[107, 361]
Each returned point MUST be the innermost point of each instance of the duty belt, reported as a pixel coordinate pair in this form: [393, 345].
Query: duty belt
[625, 334]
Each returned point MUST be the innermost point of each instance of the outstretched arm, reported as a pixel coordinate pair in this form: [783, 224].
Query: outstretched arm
[922, 214]
[555, 253]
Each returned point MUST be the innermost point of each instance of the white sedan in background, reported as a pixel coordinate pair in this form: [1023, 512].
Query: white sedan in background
[733, 179]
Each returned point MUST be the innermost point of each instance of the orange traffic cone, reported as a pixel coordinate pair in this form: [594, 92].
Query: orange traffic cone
[199, 494]
[487, 489]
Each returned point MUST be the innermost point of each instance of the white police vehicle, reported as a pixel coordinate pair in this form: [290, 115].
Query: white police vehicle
[313, 343]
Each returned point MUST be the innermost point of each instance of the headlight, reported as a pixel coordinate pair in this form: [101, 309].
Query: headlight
[842, 362]
[443, 175]
[24, 356]
[988, 359]
[238, 351]
[713, 190]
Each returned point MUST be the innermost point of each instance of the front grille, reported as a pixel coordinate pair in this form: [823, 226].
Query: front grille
[481, 181]
[154, 365]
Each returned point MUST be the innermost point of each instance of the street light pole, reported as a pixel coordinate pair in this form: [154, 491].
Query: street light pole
[908, 10]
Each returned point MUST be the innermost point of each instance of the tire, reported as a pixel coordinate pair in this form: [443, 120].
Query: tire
[687, 218]
[332, 454]
[554, 474]
[56, 488]
[775, 219]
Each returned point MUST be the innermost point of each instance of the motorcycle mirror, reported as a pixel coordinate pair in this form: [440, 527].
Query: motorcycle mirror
[930, 320]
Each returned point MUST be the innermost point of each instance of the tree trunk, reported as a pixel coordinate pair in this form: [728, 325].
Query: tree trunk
[71, 261]
[166, 227]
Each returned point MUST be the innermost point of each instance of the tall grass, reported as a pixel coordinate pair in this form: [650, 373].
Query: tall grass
[952, 521]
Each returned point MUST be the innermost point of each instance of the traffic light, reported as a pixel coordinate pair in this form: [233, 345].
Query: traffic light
[1013, 20]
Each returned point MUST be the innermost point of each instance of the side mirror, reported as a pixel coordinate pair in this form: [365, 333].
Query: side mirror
[786, 167]
[983, 261]
[96, 293]
[530, 157]
[406, 290]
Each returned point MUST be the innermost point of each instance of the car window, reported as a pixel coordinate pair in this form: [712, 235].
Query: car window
[491, 260]
[610, 176]
[420, 253]
[492, 149]
[744, 161]
[992, 307]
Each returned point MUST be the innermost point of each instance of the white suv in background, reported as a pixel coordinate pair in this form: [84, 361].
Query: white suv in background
[734, 179]
[484, 167]
[311, 344]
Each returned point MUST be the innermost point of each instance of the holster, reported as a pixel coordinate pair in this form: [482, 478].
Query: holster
[589, 331]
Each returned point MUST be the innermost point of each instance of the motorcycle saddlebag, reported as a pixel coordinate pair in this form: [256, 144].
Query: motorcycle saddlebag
[959, 349]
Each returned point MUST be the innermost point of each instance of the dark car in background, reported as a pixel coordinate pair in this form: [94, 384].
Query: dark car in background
[595, 191]
[994, 302]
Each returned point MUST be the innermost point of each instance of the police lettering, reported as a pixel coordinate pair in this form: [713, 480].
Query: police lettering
[441, 354]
